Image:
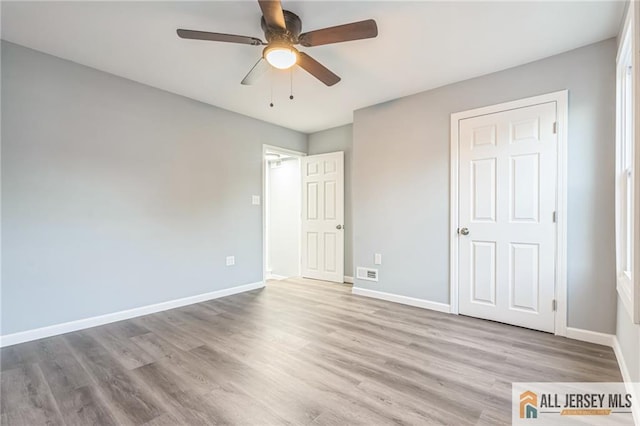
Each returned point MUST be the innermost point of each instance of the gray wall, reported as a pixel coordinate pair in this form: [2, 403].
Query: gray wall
[117, 195]
[332, 140]
[401, 179]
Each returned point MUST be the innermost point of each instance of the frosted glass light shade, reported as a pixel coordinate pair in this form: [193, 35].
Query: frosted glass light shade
[281, 57]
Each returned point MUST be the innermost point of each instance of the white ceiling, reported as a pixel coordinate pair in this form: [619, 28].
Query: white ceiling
[421, 45]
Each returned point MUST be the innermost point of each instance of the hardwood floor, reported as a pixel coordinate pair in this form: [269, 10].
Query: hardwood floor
[297, 352]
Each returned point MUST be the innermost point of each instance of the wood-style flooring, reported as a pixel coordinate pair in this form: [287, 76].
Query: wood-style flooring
[297, 352]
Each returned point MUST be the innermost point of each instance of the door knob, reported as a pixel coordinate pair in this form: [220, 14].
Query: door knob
[338, 226]
[463, 231]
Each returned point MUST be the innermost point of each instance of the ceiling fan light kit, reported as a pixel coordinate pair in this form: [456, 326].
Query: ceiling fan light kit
[282, 31]
[280, 55]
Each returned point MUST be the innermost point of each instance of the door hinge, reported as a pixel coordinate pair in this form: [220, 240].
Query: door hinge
[554, 305]
[555, 127]
[555, 217]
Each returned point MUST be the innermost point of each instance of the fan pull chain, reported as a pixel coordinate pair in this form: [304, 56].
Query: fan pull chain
[291, 83]
[271, 80]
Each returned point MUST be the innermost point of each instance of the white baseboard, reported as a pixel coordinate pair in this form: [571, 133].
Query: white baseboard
[276, 277]
[610, 340]
[621, 362]
[591, 336]
[624, 370]
[348, 279]
[405, 300]
[67, 327]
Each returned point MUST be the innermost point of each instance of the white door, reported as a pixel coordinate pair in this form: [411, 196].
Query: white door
[507, 202]
[323, 216]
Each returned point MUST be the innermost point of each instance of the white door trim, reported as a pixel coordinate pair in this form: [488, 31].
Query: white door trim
[561, 98]
[276, 149]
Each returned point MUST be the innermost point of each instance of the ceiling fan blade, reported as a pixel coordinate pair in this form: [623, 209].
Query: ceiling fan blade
[354, 31]
[229, 38]
[256, 72]
[317, 70]
[273, 14]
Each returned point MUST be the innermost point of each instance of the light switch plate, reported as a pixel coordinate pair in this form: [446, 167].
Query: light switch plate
[377, 259]
[255, 200]
[231, 260]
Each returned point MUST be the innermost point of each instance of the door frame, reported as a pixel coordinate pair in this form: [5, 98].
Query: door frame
[299, 154]
[561, 98]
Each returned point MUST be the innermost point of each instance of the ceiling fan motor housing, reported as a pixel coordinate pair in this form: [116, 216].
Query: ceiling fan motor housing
[290, 35]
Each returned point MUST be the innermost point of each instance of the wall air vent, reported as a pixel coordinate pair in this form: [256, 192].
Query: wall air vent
[367, 274]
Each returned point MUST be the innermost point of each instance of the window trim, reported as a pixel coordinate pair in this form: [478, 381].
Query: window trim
[628, 281]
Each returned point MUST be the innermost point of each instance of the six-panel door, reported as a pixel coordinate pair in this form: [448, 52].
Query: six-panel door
[507, 201]
[323, 216]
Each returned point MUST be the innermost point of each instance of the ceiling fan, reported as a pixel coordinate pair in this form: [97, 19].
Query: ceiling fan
[282, 31]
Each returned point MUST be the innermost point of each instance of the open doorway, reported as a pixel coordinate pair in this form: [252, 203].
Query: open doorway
[282, 212]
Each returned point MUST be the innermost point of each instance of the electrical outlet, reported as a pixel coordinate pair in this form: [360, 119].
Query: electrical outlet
[377, 259]
[255, 200]
[231, 260]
